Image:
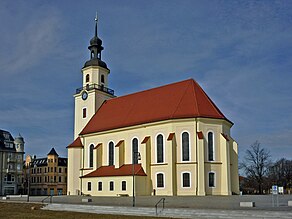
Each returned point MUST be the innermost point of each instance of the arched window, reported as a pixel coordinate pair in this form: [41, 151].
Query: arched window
[186, 180]
[124, 186]
[89, 186]
[111, 186]
[159, 148]
[135, 151]
[87, 78]
[102, 78]
[111, 153]
[160, 180]
[91, 155]
[99, 186]
[210, 146]
[211, 179]
[185, 146]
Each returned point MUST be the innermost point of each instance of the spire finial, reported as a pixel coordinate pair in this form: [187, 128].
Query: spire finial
[96, 20]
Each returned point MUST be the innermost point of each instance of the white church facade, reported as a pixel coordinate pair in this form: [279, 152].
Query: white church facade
[170, 140]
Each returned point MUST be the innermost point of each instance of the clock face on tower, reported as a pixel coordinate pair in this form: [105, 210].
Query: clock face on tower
[84, 95]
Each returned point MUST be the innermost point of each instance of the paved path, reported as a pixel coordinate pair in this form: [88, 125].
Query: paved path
[171, 212]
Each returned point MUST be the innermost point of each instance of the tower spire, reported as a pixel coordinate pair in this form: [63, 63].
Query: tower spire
[96, 20]
[95, 47]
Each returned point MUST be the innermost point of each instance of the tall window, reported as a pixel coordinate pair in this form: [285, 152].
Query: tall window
[159, 149]
[111, 186]
[99, 186]
[211, 179]
[111, 153]
[185, 146]
[160, 180]
[210, 146]
[186, 179]
[135, 151]
[89, 186]
[84, 113]
[124, 186]
[91, 155]
[102, 79]
[87, 78]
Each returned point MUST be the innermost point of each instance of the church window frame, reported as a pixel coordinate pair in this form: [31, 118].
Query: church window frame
[160, 180]
[135, 150]
[99, 186]
[185, 147]
[90, 157]
[186, 182]
[111, 186]
[89, 186]
[210, 146]
[111, 153]
[211, 179]
[124, 185]
[160, 148]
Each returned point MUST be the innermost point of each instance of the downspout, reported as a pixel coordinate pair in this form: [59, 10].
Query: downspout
[82, 168]
[197, 178]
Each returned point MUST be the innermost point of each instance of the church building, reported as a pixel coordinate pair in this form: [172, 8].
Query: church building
[170, 140]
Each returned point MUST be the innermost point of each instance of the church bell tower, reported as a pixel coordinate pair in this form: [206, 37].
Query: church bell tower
[94, 90]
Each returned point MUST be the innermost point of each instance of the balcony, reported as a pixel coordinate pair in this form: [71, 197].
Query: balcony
[96, 87]
[10, 170]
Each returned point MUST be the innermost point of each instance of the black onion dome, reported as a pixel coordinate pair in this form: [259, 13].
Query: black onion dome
[95, 62]
[95, 41]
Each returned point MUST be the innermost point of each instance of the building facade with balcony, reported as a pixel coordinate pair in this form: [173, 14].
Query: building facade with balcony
[181, 137]
[46, 176]
[11, 164]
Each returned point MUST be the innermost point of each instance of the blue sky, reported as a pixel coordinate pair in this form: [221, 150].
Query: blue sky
[240, 52]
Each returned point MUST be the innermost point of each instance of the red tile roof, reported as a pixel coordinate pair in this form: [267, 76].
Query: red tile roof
[145, 140]
[200, 135]
[170, 136]
[76, 144]
[185, 99]
[124, 170]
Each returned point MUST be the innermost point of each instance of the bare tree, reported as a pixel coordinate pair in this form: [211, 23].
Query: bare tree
[256, 164]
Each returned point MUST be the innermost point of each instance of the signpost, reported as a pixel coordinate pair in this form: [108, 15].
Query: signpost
[275, 198]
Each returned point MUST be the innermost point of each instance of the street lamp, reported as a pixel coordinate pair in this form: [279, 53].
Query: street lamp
[133, 172]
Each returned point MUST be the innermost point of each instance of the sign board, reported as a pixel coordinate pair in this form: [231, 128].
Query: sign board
[275, 190]
[281, 190]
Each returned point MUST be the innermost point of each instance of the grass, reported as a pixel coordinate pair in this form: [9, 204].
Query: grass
[29, 210]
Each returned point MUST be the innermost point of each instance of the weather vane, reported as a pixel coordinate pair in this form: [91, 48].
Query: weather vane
[96, 17]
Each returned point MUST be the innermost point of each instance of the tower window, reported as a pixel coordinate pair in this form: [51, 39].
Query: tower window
[87, 78]
[102, 79]
[84, 113]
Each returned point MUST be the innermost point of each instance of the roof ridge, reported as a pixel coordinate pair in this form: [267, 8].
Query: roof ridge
[181, 99]
[211, 102]
[154, 88]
